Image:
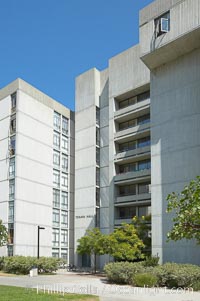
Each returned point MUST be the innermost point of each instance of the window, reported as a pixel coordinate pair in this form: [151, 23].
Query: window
[64, 238]
[13, 102]
[124, 147]
[162, 24]
[127, 190]
[64, 254]
[64, 163]
[146, 164]
[97, 116]
[55, 237]
[64, 199]
[56, 140]
[143, 96]
[56, 159]
[126, 212]
[56, 217]
[13, 124]
[97, 176]
[11, 212]
[97, 156]
[144, 142]
[97, 197]
[56, 121]
[97, 137]
[55, 253]
[144, 210]
[11, 190]
[127, 124]
[10, 250]
[64, 180]
[127, 168]
[127, 102]
[56, 198]
[144, 188]
[65, 143]
[143, 119]
[12, 146]
[12, 167]
[64, 125]
[56, 178]
[64, 218]
[10, 233]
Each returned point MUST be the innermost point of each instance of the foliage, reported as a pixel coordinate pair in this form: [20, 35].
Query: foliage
[196, 285]
[177, 275]
[145, 280]
[123, 272]
[151, 261]
[187, 209]
[22, 264]
[30, 294]
[91, 243]
[143, 226]
[3, 234]
[124, 244]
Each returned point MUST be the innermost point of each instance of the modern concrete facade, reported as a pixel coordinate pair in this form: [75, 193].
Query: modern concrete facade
[141, 141]
[37, 172]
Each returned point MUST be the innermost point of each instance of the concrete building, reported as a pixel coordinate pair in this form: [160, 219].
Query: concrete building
[125, 141]
[36, 172]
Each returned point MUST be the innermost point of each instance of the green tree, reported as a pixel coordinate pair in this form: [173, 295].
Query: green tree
[3, 234]
[124, 244]
[186, 206]
[92, 244]
[143, 227]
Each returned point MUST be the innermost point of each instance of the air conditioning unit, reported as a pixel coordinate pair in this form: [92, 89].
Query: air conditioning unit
[164, 25]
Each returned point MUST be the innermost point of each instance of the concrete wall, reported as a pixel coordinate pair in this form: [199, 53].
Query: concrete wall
[175, 117]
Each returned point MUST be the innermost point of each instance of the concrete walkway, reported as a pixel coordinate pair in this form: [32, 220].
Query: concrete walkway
[96, 285]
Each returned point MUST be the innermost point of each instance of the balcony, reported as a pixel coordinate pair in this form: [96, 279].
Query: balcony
[132, 131]
[143, 197]
[128, 176]
[130, 153]
[132, 108]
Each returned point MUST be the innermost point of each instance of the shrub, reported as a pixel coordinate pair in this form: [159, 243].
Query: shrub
[1, 263]
[22, 264]
[145, 280]
[196, 285]
[177, 275]
[151, 261]
[123, 272]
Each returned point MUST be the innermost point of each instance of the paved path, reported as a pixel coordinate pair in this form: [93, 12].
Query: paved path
[96, 285]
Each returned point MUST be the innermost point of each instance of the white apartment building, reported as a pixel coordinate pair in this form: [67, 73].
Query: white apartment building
[36, 172]
[137, 129]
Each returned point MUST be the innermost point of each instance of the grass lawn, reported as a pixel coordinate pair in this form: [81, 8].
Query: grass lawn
[8, 293]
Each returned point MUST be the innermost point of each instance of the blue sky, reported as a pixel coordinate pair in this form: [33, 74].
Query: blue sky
[50, 42]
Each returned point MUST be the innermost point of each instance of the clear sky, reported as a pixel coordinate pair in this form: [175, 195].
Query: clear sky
[50, 42]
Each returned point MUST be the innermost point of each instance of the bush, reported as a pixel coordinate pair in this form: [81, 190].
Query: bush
[196, 286]
[123, 272]
[177, 275]
[151, 261]
[22, 264]
[1, 263]
[144, 280]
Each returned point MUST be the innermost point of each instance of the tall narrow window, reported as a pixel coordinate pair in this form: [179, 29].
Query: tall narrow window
[64, 125]
[13, 102]
[97, 116]
[64, 163]
[64, 180]
[97, 137]
[56, 159]
[56, 140]
[56, 178]
[97, 176]
[11, 212]
[55, 238]
[56, 198]
[56, 121]
[12, 145]
[13, 124]
[65, 144]
[12, 167]
[56, 217]
[11, 190]
[64, 200]
[64, 218]
[64, 238]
